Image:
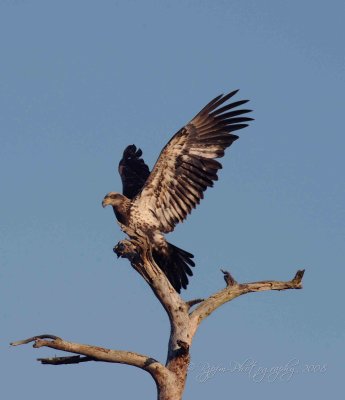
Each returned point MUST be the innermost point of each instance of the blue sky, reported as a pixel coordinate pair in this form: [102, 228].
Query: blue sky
[80, 80]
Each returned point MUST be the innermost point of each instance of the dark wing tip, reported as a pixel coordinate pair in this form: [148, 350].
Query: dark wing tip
[131, 151]
[139, 153]
[131, 148]
[217, 101]
[133, 171]
[236, 127]
[229, 95]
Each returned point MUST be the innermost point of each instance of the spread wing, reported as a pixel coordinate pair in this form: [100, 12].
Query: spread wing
[133, 171]
[187, 165]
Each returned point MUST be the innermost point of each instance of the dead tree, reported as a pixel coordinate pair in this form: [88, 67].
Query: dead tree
[184, 316]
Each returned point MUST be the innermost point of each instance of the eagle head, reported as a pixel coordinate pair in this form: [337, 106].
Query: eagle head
[113, 199]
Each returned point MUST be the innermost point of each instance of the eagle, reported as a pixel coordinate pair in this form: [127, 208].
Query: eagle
[153, 203]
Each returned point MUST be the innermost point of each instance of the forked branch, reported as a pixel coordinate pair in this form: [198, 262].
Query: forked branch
[170, 379]
[234, 289]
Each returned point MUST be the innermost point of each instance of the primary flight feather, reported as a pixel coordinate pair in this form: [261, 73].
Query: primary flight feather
[153, 203]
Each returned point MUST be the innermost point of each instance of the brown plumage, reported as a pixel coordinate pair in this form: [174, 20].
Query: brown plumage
[153, 203]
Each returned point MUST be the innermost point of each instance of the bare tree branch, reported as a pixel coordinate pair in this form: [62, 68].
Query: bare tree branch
[234, 289]
[192, 303]
[183, 322]
[95, 353]
[178, 358]
[139, 253]
[34, 338]
[229, 280]
[171, 378]
[65, 360]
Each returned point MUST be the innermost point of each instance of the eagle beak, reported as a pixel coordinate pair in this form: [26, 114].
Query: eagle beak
[106, 201]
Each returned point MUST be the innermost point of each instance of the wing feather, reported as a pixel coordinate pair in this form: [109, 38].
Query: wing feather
[133, 171]
[187, 165]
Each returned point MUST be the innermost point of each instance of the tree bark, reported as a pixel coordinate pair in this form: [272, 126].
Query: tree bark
[170, 378]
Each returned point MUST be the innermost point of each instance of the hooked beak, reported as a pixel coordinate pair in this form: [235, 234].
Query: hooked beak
[106, 201]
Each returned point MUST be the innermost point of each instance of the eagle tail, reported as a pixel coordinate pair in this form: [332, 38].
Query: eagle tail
[175, 263]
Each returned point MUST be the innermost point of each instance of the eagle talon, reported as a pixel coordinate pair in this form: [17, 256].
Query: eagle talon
[119, 249]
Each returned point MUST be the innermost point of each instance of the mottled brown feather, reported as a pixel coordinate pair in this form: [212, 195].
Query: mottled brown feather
[187, 166]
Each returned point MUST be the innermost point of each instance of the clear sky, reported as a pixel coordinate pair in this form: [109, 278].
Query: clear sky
[80, 80]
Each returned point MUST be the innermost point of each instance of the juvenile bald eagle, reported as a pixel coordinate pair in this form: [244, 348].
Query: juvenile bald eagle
[153, 203]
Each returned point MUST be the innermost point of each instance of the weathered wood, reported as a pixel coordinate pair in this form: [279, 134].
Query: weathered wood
[170, 378]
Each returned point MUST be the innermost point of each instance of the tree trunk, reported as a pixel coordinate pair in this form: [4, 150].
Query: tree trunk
[170, 378]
